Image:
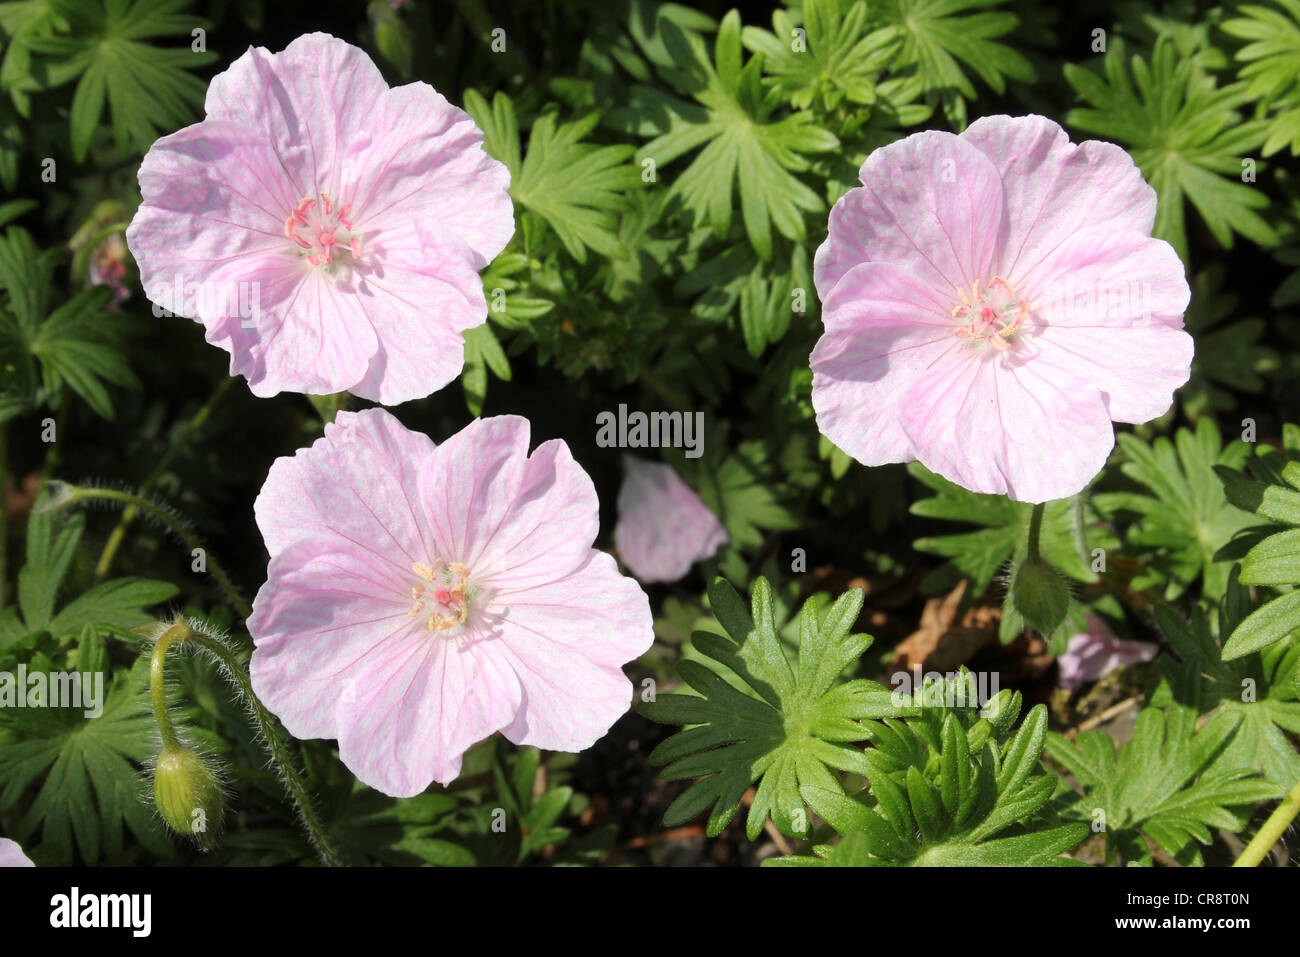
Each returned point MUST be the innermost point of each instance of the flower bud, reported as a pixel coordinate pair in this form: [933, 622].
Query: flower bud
[188, 795]
[1040, 595]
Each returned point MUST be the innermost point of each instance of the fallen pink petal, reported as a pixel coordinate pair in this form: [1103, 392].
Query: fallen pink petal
[1095, 653]
[663, 526]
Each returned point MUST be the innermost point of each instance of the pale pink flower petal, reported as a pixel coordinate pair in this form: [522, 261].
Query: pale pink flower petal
[1097, 652]
[663, 526]
[11, 855]
[994, 327]
[1052, 185]
[931, 203]
[333, 226]
[422, 597]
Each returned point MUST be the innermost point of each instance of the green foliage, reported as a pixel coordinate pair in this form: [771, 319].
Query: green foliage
[1253, 694]
[1186, 133]
[1270, 555]
[741, 145]
[148, 89]
[1179, 522]
[940, 33]
[781, 724]
[573, 186]
[951, 787]
[1163, 785]
[77, 344]
[1272, 67]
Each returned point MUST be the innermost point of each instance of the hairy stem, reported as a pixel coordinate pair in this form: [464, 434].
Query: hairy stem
[1272, 830]
[1035, 528]
[157, 689]
[275, 745]
[118, 535]
[78, 494]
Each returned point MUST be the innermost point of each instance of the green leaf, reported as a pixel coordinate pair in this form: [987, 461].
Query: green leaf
[1185, 133]
[148, 89]
[1178, 527]
[89, 781]
[1272, 66]
[836, 59]
[753, 716]
[1163, 783]
[575, 187]
[742, 147]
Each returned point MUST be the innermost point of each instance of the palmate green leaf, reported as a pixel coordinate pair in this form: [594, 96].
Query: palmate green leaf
[1066, 540]
[1254, 693]
[88, 768]
[837, 58]
[939, 36]
[1185, 133]
[1178, 524]
[574, 186]
[1272, 66]
[77, 344]
[788, 727]
[147, 88]
[1165, 783]
[115, 606]
[949, 787]
[1270, 488]
[741, 146]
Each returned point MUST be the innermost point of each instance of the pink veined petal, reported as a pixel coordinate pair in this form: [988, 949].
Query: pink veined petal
[430, 167]
[883, 330]
[321, 345]
[322, 612]
[471, 485]
[1137, 368]
[567, 642]
[931, 203]
[359, 482]
[1032, 431]
[419, 295]
[663, 526]
[548, 530]
[314, 102]
[416, 711]
[1052, 187]
[211, 215]
[1096, 278]
[11, 855]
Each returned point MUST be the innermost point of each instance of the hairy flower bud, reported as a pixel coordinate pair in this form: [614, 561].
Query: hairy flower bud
[1040, 595]
[188, 795]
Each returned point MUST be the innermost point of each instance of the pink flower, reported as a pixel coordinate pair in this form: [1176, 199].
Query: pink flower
[326, 230]
[422, 597]
[992, 301]
[663, 527]
[11, 855]
[1096, 653]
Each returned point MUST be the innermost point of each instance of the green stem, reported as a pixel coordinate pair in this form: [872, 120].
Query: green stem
[78, 494]
[118, 535]
[1035, 528]
[275, 745]
[157, 689]
[1272, 830]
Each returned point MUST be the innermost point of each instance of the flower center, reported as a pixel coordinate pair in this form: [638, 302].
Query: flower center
[445, 595]
[321, 230]
[993, 315]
